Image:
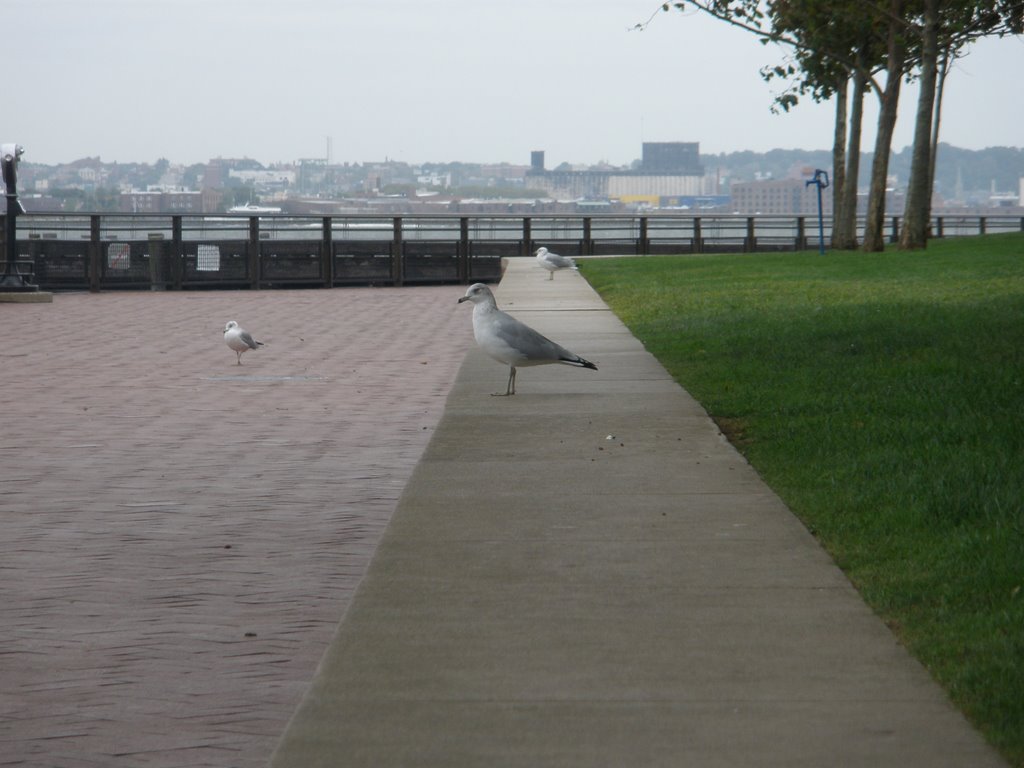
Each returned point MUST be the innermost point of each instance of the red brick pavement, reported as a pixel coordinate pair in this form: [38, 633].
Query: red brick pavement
[179, 535]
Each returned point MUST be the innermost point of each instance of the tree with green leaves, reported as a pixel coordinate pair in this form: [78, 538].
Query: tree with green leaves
[835, 27]
[834, 44]
[874, 45]
[942, 28]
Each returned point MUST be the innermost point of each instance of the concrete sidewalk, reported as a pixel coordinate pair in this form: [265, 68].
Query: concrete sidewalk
[588, 574]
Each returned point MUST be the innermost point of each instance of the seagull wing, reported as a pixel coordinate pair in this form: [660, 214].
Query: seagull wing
[563, 262]
[249, 340]
[529, 346]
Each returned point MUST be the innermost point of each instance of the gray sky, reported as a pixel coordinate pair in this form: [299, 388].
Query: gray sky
[424, 80]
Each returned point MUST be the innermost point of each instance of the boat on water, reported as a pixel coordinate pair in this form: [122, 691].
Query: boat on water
[252, 209]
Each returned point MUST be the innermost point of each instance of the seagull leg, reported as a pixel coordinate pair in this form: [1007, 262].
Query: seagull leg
[551, 275]
[511, 388]
[239, 357]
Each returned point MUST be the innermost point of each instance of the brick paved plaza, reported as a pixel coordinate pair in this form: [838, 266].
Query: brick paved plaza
[179, 535]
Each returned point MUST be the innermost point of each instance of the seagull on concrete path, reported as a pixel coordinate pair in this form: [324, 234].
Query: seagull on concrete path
[511, 342]
[239, 339]
[552, 262]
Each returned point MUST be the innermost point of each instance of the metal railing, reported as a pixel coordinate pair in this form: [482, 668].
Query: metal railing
[184, 251]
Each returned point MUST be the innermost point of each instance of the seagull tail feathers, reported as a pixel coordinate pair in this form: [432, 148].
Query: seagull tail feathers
[577, 360]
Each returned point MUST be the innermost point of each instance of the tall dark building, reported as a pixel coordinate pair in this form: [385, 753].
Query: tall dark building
[672, 157]
[667, 169]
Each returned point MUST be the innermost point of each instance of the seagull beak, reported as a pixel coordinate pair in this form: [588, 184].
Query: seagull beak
[464, 298]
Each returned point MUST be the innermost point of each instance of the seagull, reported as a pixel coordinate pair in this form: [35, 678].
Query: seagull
[511, 342]
[552, 262]
[239, 339]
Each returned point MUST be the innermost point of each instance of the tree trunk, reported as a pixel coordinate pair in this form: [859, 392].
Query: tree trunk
[839, 161]
[848, 223]
[947, 57]
[874, 239]
[917, 213]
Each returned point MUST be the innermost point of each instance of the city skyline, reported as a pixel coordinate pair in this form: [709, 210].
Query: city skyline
[478, 80]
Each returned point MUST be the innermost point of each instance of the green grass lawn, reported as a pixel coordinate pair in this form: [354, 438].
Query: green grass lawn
[882, 397]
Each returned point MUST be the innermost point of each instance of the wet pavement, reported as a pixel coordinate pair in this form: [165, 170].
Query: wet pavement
[180, 535]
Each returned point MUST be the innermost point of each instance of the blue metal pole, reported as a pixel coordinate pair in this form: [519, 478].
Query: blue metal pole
[820, 180]
[821, 224]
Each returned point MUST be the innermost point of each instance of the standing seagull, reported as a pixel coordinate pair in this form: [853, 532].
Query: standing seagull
[239, 339]
[553, 262]
[511, 342]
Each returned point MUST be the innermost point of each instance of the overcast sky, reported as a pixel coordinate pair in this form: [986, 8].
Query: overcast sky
[423, 81]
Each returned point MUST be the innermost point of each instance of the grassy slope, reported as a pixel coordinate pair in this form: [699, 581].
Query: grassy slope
[882, 396]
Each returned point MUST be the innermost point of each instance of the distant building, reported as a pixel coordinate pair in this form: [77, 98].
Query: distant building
[504, 173]
[779, 196]
[671, 158]
[179, 201]
[264, 178]
[214, 175]
[667, 169]
[626, 186]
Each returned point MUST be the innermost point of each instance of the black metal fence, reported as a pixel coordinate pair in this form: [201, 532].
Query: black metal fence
[108, 251]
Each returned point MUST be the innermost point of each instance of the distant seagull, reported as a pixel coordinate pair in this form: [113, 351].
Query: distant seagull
[239, 339]
[553, 262]
[511, 342]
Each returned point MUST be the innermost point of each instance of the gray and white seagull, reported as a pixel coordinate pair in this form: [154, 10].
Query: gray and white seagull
[239, 339]
[511, 342]
[552, 262]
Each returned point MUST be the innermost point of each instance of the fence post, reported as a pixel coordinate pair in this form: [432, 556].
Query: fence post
[397, 253]
[463, 264]
[642, 244]
[157, 263]
[587, 246]
[981, 225]
[327, 251]
[698, 238]
[177, 255]
[895, 236]
[801, 233]
[749, 243]
[254, 252]
[95, 251]
[939, 226]
[527, 246]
